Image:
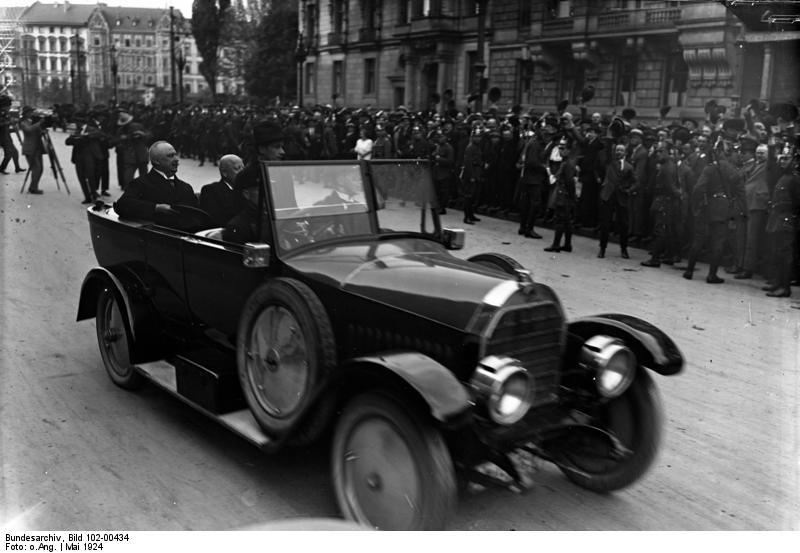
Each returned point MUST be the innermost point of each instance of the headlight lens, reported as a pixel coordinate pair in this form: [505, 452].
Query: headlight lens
[614, 364]
[503, 387]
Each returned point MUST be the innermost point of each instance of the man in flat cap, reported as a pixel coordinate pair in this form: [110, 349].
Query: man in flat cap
[268, 140]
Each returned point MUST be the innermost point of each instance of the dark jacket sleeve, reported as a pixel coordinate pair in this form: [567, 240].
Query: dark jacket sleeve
[133, 203]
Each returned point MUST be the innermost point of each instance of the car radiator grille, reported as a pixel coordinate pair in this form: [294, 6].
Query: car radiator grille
[533, 334]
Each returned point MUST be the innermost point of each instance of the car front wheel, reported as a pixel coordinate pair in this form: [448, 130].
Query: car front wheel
[391, 469]
[114, 341]
[285, 346]
[625, 445]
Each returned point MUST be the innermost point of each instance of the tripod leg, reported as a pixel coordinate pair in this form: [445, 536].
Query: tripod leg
[28, 174]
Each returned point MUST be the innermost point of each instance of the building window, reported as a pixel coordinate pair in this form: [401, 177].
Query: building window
[525, 72]
[128, 42]
[52, 29]
[369, 76]
[338, 77]
[626, 81]
[149, 42]
[572, 80]
[164, 81]
[138, 42]
[676, 78]
[524, 14]
[469, 71]
[97, 41]
[311, 73]
[339, 8]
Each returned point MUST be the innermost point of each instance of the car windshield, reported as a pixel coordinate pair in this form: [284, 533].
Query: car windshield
[405, 195]
[313, 203]
[316, 202]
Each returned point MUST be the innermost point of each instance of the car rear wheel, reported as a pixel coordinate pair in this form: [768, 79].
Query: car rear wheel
[635, 420]
[115, 342]
[391, 469]
[285, 345]
[497, 261]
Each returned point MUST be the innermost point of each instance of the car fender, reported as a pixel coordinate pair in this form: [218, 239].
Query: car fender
[95, 281]
[138, 314]
[653, 348]
[446, 396]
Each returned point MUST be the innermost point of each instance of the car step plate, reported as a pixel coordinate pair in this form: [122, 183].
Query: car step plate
[162, 374]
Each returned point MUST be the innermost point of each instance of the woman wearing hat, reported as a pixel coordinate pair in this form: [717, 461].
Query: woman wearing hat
[32, 147]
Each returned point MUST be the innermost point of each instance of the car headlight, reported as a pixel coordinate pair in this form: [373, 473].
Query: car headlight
[503, 387]
[613, 363]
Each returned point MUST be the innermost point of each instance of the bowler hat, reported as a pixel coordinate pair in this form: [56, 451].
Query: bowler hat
[747, 144]
[267, 132]
[681, 134]
[587, 94]
[562, 105]
[733, 128]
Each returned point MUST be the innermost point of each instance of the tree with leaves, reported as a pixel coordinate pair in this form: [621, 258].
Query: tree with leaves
[271, 68]
[207, 31]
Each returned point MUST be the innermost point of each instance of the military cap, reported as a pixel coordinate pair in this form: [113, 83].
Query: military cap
[733, 128]
[637, 131]
[748, 144]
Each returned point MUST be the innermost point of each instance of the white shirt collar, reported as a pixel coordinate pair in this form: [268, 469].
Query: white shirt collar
[164, 175]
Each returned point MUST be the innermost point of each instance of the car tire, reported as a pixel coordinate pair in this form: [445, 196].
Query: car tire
[114, 339]
[498, 261]
[391, 469]
[635, 419]
[285, 345]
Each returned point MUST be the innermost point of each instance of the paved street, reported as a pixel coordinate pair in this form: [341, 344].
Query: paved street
[78, 452]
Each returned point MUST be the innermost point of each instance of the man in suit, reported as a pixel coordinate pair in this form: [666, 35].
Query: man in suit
[619, 179]
[10, 152]
[472, 177]
[219, 199]
[268, 139]
[32, 147]
[156, 192]
[757, 197]
[443, 158]
[637, 203]
[131, 145]
[665, 192]
[532, 176]
[87, 156]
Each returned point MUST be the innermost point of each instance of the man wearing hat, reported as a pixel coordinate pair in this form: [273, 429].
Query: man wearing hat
[638, 207]
[244, 227]
[32, 147]
[10, 152]
[756, 192]
[87, 156]
[131, 146]
[782, 222]
[154, 193]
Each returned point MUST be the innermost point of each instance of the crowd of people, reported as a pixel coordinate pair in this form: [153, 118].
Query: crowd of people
[724, 189]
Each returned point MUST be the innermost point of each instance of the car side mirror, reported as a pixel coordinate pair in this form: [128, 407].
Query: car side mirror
[453, 238]
[256, 255]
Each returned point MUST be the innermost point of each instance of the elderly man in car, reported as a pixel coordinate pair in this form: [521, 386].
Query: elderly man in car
[154, 194]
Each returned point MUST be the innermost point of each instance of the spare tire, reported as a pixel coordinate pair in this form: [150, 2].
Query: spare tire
[285, 346]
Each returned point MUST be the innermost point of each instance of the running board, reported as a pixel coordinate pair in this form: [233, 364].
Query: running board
[163, 374]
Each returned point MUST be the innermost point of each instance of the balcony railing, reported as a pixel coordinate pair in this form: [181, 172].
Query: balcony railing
[558, 26]
[335, 38]
[613, 20]
[432, 24]
[368, 35]
[664, 15]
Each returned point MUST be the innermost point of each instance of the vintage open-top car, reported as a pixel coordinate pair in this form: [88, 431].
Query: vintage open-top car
[350, 316]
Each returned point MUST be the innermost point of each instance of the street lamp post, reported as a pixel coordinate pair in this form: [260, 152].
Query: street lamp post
[300, 57]
[114, 67]
[480, 64]
[172, 52]
[181, 65]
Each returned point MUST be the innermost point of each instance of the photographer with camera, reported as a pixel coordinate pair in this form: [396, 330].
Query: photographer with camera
[33, 126]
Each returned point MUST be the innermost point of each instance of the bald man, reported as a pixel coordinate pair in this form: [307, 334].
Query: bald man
[157, 191]
[219, 199]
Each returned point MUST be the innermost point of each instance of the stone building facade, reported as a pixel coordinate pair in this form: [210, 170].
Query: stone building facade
[636, 53]
[81, 44]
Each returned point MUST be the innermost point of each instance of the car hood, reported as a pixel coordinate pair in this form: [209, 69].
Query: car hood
[414, 275]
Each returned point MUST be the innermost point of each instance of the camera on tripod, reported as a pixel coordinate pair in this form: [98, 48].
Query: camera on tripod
[47, 119]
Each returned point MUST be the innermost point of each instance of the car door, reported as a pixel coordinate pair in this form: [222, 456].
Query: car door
[217, 282]
[164, 274]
